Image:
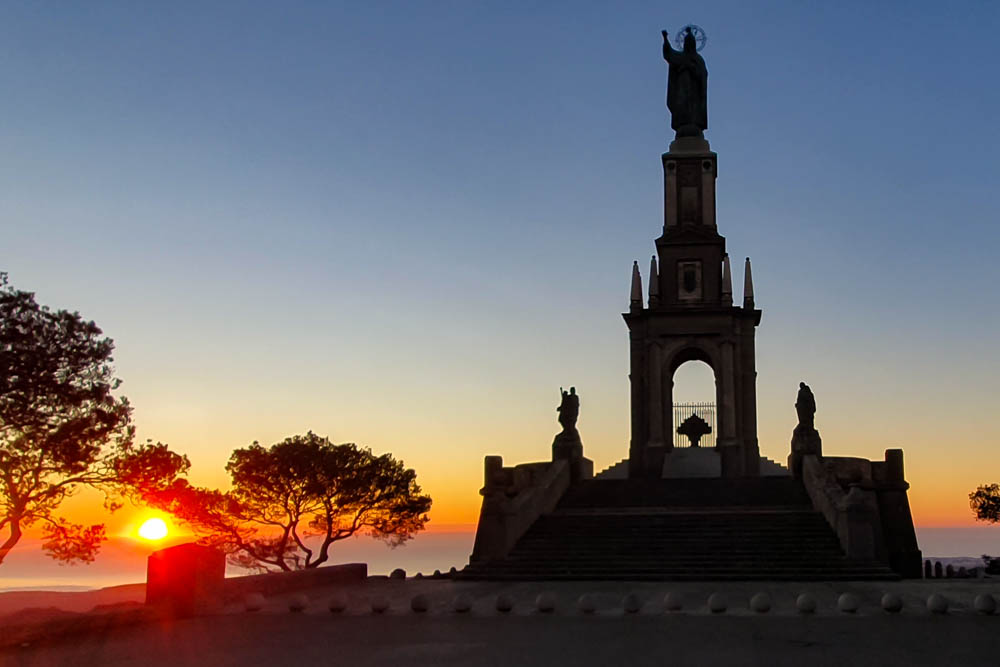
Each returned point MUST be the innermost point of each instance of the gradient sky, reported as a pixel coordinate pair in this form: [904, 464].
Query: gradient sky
[408, 224]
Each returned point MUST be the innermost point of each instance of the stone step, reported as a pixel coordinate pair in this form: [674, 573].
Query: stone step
[702, 493]
[666, 553]
[681, 529]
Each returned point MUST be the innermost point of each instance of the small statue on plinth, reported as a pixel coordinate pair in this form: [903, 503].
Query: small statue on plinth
[805, 438]
[805, 406]
[567, 444]
[687, 83]
[694, 427]
[569, 409]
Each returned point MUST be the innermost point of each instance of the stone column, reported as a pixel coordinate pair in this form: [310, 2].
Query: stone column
[669, 192]
[640, 423]
[725, 378]
[751, 450]
[728, 440]
[656, 447]
[708, 191]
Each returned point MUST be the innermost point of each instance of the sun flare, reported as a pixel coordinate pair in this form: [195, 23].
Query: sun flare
[153, 529]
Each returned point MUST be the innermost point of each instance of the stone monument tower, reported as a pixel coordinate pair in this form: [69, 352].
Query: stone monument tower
[665, 514]
[690, 313]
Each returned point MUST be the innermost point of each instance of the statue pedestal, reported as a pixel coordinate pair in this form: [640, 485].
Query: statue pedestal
[567, 446]
[697, 145]
[805, 441]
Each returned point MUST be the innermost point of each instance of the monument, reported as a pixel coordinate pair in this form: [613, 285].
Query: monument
[673, 510]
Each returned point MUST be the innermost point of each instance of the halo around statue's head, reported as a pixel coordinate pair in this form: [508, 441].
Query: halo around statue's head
[699, 37]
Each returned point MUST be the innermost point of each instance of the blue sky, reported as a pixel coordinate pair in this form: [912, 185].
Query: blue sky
[407, 224]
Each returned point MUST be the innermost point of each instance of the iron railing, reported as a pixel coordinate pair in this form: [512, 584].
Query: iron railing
[704, 410]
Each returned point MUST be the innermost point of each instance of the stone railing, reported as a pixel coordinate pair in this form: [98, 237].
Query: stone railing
[513, 498]
[853, 512]
[866, 504]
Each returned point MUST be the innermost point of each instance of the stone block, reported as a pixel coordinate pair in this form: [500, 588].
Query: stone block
[186, 579]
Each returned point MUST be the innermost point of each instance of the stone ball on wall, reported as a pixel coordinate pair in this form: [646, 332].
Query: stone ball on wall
[398, 573]
[462, 603]
[848, 603]
[253, 602]
[379, 604]
[985, 604]
[504, 603]
[892, 603]
[937, 604]
[717, 603]
[632, 604]
[806, 603]
[545, 602]
[420, 603]
[586, 604]
[672, 601]
[298, 603]
[338, 603]
[761, 603]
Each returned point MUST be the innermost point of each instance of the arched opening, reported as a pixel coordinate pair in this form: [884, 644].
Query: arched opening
[693, 405]
[691, 425]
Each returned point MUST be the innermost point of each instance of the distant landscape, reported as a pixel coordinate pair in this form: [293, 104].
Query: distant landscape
[123, 562]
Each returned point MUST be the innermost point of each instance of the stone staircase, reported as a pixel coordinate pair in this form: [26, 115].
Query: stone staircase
[680, 529]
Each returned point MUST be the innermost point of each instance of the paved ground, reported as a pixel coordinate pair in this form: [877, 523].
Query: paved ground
[357, 637]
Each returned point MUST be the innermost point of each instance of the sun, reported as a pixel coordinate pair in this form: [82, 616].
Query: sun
[153, 529]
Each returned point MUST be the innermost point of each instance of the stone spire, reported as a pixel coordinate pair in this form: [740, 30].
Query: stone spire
[636, 299]
[747, 286]
[727, 282]
[654, 283]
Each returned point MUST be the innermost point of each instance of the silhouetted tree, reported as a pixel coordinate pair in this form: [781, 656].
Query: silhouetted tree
[985, 502]
[61, 428]
[290, 502]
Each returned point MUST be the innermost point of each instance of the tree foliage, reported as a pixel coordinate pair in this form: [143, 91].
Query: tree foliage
[985, 502]
[62, 427]
[290, 502]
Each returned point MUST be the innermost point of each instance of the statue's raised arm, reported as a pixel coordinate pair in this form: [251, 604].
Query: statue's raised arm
[667, 49]
[687, 86]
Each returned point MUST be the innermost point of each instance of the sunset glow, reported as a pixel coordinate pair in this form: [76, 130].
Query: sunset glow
[153, 529]
[408, 230]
